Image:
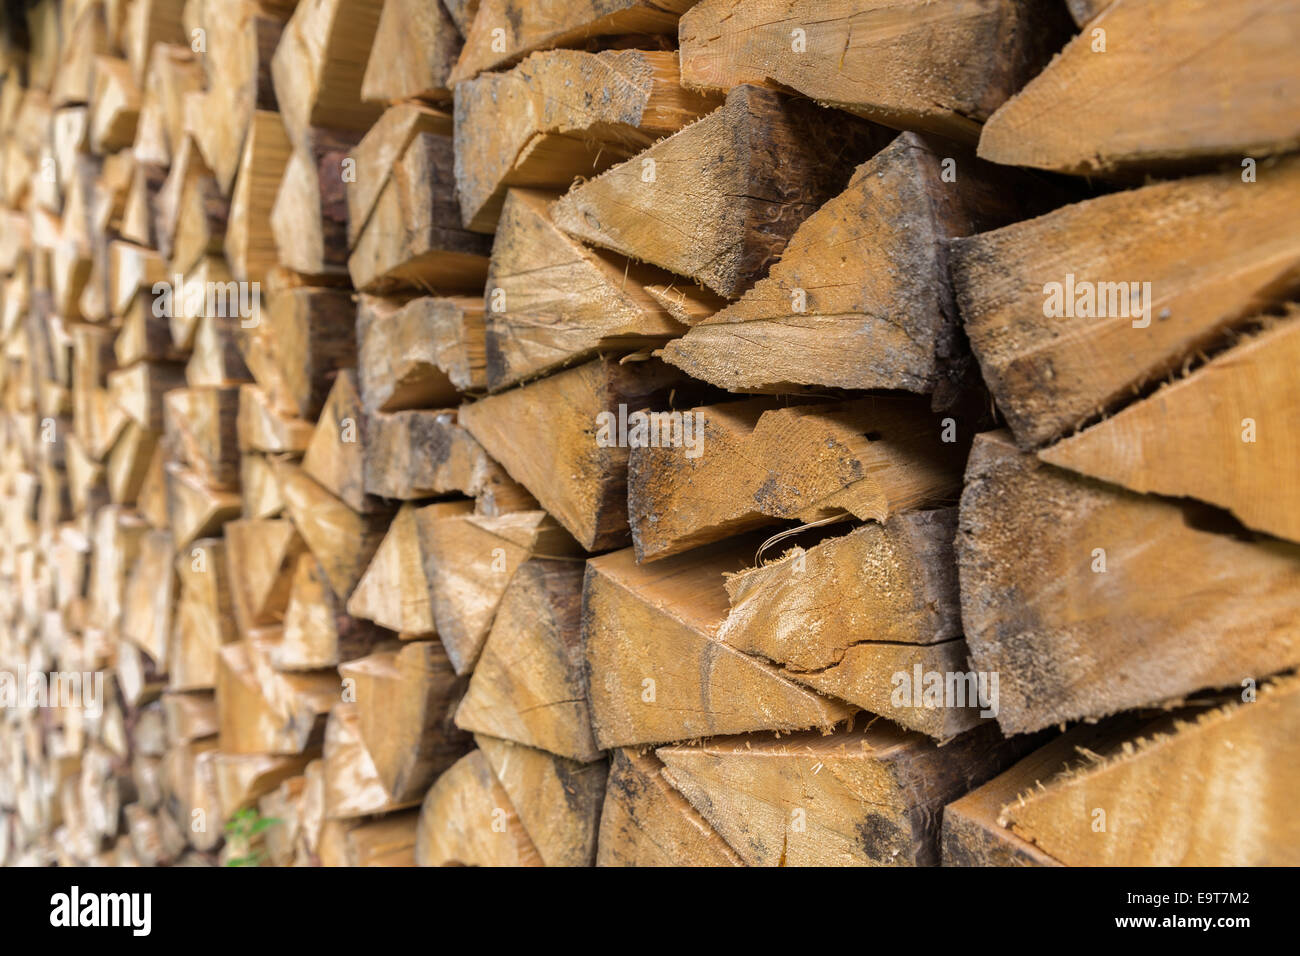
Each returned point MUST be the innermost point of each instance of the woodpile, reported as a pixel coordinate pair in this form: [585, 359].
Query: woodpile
[649, 432]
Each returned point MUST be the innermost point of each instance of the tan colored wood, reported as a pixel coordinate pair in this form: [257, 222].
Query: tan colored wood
[851, 614]
[657, 671]
[871, 797]
[260, 559]
[416, 45]
[748, 464]
[943, 66]
[405, 700]
[861, 296]
[646, 822]
[335, 456]
[317, 631]
[299, 341]
[714, 185]
[411, 239]
[554, 302]
[418, 353]
[310, 215]
[320, 62]
[1071, 640]
[558, 800]
[469, 561]
[1159, 805]
[396, 591]
[562, 115]
[530, 683]
[1050, 374]
[379, 151]
[1224, 434]
[543, 435]
[528, 25]
[342, 540]
[352, 785]
[250, 245]
[1059, 121]
[467, 820]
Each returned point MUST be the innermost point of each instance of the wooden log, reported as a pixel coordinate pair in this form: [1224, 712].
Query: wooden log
[735, 186]
[558, 800]
[1248, 66]
[200, 429]
[193, 509]
[1061, 331]
[250, 244]
[748, 464]
[260, 559]
[418, 353]
[467, 819]
[243, 779]
[189, 716]
[317, 631]
[657, 673]
[297, 345]
[262, 428]
[200, 217]
[115, 105]
[427, 453]
[854, 617]
[973, 834]
[554, 302]
[85, 37]
[1224, 435]
[877, 59]
[405, 702]
[319, 65]
[266, 711]
[416, 45]
[386, 841]
[237, 65]
[1095, 624]
[173, 73]
[204, 618]
[148, 598]
[411, 239]
[335, 456]
[258, 487]
[646, 822]
[469, 561]
[542, 435]
[342, 540]
[503, 31]
[861, 297]
[379, 151]
[310, 215]
[217, 361]
[150, 22]
[872, 797]
[537, 125]
[1152, 793]
[396, 591]
[529, 684]
[352, 784]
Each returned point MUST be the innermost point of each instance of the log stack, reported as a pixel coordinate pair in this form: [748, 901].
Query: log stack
[649, 432]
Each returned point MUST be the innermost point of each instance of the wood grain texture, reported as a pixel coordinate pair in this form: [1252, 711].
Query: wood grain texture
[1180, 605]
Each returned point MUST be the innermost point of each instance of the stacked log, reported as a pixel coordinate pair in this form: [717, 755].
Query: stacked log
[649, 432]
